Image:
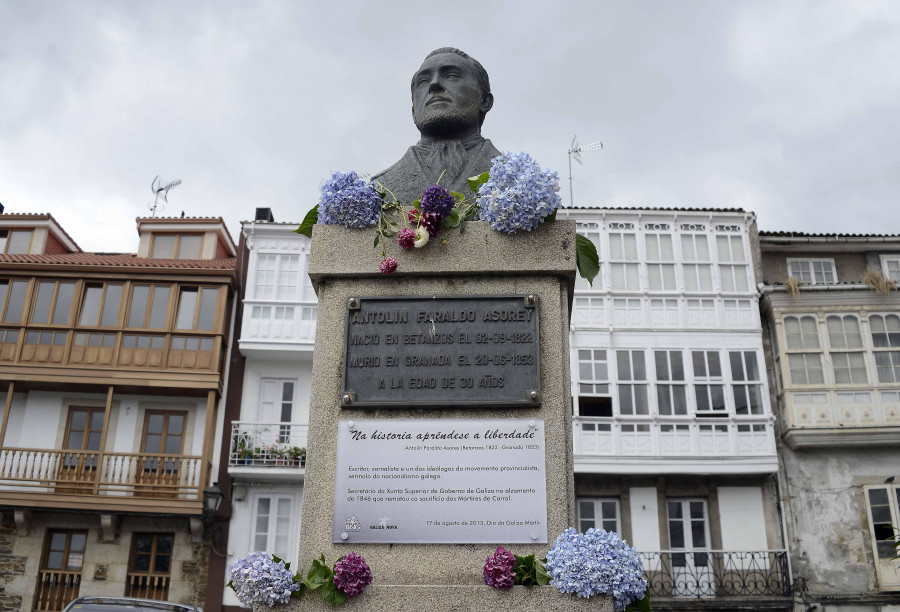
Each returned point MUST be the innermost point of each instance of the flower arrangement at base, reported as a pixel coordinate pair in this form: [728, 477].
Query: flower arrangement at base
[596, 562]
[516, 194]
[263, 578]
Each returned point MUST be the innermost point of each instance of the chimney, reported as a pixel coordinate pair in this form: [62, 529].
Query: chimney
[264, 214]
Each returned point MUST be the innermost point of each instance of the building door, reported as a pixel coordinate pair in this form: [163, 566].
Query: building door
[161, 453]
[60, 575]
[78, 468]
[692, 571]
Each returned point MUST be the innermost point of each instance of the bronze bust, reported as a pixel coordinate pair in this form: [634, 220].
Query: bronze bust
[451, 95]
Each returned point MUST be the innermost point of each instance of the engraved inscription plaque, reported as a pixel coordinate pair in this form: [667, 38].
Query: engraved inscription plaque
[442, 351]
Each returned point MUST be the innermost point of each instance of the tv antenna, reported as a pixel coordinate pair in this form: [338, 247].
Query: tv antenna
[575, 151]
[159, 186]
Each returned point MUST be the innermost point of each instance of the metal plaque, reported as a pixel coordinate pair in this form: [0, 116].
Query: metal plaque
[434, 351]
[440, 481]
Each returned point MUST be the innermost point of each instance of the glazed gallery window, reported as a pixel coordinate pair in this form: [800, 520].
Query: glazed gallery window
[150, 565]
[697, 267]
[846, 348]
[886, 343]
[175, 246]
[15, 242]
[709, 388]
[52, 303]
[812, 271]
[623, 259]
[12, 300]
[282, 277]
[632, 377]
[671, 393]
[660, 262]
[100, 306]
[600, 513]
[733, 270]
[272, 525]
[746, 383]
[804, 351]
[593, 383]
[196, 308]
[149, 306]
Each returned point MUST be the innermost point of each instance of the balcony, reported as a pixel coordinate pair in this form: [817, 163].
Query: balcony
[747, 580]
[674, 445]
[864, 417]
[272, 452]
[270, 328]
[90, 480]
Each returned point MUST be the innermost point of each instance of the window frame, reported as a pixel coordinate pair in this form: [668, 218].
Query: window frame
[272, 533]
[598, 504]
[101, 307]
[812, 261]
[54, 302]
[132, 571]
[152, 288]
[4, 248]
[621, 260]
[176, 247]
[201, 290]
[886, 260]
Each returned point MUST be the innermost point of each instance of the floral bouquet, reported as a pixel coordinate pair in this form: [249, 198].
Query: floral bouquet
[596, 562]
[515, 194]
[263, 578]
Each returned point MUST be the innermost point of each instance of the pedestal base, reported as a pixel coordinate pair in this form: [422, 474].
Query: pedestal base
[443, 598]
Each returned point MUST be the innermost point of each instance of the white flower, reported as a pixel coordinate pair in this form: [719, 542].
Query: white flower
[421, 237]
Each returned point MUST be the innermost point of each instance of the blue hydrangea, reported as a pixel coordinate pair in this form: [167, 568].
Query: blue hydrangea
[349, 201]
[596, 563]
[519, 193]
[258, 578]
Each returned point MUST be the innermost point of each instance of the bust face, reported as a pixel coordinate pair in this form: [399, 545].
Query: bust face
[447, 101]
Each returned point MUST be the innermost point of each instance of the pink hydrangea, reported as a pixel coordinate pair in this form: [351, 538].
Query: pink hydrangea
[388, 265]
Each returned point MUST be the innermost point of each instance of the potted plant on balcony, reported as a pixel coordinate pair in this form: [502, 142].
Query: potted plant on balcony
[243, 451]
[297, 456]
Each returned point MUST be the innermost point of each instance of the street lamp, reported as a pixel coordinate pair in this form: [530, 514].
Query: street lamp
[212, 499]
[575, 151]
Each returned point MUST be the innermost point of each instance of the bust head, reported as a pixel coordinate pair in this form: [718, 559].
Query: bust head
[451, 94]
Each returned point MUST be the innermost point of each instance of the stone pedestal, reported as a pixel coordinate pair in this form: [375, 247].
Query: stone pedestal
[343, 264]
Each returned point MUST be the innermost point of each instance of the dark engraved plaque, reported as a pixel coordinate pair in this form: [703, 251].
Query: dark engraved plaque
[435, 351]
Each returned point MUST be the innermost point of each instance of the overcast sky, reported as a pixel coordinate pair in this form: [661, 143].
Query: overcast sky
[790, 109]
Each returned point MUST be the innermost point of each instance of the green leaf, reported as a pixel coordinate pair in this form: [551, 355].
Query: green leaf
[457, 196]
[332, 594]
[551, 216]
[640, 605]
[586, 258]
[377, 238]
[540, 572]
[477, 181]
[230, 585]
[451, 220]
[309, 220]
[524, 569]
[318, 575]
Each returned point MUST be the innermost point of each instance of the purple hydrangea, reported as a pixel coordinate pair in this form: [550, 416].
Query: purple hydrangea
[258, 578]
[518, 195]
[349, 201]
[437, 200]
[498, 569]
[388, 265]
[596, 562]
[352, 574]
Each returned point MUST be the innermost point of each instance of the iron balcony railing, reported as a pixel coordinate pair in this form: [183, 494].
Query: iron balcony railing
[717, 573]
[267, 444]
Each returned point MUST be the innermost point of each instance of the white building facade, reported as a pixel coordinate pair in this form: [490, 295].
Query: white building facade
[268, 425]
[672, 428]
